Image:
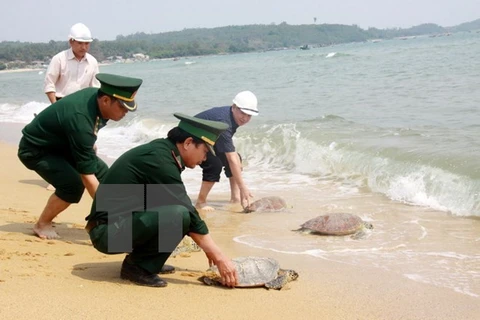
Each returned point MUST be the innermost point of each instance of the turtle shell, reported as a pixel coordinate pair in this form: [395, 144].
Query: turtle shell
[272, 203]
[334, 224]
[254, 271]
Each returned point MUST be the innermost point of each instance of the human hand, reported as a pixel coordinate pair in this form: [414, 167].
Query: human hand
[228, 272]
[245, 196]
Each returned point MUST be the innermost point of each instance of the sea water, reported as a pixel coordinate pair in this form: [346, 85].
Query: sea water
[388, 130]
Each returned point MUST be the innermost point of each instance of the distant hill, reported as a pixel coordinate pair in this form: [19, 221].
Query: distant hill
[467, 26]
[222, 40]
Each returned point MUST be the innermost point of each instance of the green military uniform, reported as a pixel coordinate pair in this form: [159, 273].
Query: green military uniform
[59, 142]
[157, 166]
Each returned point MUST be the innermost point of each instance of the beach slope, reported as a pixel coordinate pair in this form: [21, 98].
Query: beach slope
[68, 278]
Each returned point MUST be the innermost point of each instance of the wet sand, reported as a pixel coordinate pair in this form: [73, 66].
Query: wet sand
[68, 278]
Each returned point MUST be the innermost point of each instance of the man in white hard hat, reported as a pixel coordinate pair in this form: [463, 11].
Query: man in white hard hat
[72, 69]
[243, 108]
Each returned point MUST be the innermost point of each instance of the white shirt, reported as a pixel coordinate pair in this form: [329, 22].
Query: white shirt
[66, 74]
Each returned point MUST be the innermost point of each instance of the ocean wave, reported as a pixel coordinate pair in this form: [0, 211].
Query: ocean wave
[289, 154]
[117, 138]
[414, 179]
[327, 149]
[20, 113]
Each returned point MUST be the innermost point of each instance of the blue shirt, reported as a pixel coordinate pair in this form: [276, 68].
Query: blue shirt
[224, 142]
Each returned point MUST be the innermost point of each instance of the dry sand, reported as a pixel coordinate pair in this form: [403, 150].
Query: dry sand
[69, 279]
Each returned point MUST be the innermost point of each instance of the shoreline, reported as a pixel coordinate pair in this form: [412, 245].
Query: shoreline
[41, 69]
[22, 70]
[75, 273]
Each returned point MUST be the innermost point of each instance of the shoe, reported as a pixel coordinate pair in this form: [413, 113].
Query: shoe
[140, 276]
[167, 269]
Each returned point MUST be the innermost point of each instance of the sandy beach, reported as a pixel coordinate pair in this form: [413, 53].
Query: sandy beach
[69, 279]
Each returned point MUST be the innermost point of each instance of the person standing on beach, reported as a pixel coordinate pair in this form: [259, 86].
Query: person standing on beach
[59, 143]
[142, 207]
[243, 108]
[72, 69]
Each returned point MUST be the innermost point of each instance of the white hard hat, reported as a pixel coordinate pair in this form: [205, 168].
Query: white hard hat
[247, 102]
[79, 32]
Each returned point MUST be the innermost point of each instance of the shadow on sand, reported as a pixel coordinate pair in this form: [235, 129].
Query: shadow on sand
[110, 272]
[35, 182]
[67, 232]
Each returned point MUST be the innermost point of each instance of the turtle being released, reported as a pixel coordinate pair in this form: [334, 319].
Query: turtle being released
[254, 272]
[336, 224]
[185, 247]
[272, 203]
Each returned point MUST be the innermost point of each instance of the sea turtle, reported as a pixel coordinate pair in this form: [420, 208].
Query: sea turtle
[254, 272]
[186, 246]
[272, 203]
[336, 224]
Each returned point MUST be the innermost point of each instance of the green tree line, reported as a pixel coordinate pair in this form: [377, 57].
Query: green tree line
[222, 40]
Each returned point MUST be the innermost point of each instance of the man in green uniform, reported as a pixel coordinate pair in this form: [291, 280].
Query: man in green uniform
[142, 207]
[59, 143]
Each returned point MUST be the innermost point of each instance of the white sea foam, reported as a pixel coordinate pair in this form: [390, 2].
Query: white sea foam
[442, 269]
[285, 155]
[20, 113]
[117, 138]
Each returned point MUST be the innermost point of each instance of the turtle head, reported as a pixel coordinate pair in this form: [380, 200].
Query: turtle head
[291, 275]
[248, 209]
[368, 225]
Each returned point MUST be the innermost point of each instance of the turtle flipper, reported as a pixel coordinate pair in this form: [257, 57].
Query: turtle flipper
[209, 281]
[358, 235]
[361, 234]
[277, 283]
[186, 246]
[284, 276]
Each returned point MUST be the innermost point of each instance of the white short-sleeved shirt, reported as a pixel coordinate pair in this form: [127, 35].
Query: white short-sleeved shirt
[66, 74]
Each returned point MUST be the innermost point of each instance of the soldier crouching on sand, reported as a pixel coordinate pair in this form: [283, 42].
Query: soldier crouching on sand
[142, 207]
[59, 143]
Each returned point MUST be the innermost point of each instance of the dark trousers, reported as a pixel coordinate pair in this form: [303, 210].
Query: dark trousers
[212, 167]
[58, 169]
[149, 236]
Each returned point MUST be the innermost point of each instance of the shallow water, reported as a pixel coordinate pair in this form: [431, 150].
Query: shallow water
[388, 130]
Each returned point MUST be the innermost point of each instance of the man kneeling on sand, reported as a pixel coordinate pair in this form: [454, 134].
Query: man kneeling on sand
[142, 207]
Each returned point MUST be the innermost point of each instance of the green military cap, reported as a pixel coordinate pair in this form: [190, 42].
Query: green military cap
[120, 87]
[207, 130]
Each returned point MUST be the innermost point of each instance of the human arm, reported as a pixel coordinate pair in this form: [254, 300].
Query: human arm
[51, 77]
[236, 169]
[91, 183]
[81, 138]
[51, 96]
[225, 266]
[94, 82]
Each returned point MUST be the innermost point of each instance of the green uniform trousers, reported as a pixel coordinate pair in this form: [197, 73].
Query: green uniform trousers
[58, 169]
[148, 236]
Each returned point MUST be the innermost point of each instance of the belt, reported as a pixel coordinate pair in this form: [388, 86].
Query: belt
[94, 223]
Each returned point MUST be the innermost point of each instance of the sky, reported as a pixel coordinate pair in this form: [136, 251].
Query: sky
[45, 20]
